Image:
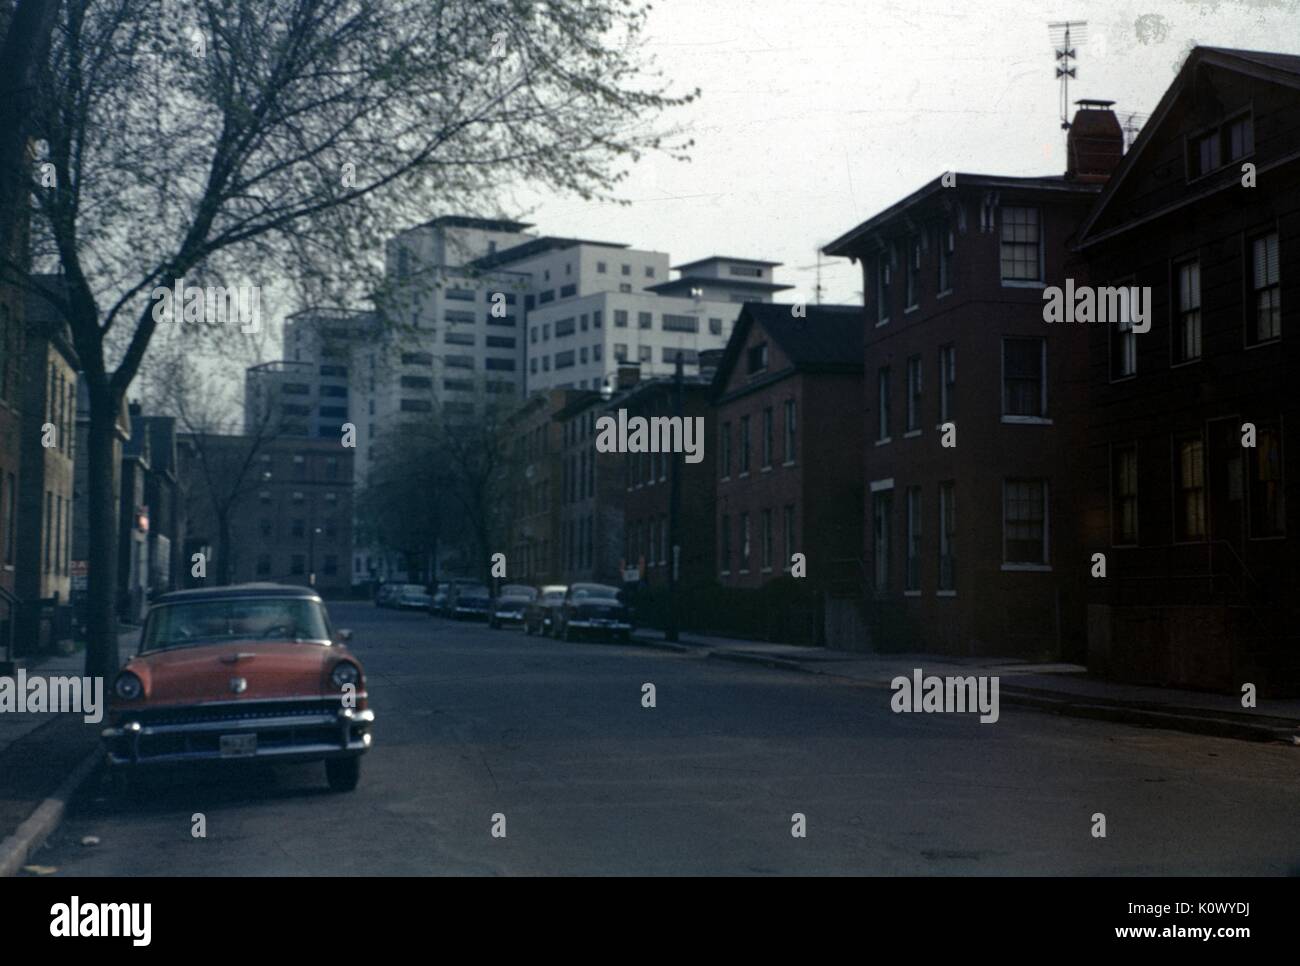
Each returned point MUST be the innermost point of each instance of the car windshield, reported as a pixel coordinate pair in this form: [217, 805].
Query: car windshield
[413, 589]
[242, 619]
[553, 596]
[590, 591]
[518, 590]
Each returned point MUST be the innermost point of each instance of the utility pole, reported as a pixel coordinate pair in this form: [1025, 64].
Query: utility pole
[674, 510]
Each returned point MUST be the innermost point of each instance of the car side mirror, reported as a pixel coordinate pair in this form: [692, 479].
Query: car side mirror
[342, 636]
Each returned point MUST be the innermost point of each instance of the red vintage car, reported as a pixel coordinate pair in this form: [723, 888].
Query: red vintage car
[246, 672]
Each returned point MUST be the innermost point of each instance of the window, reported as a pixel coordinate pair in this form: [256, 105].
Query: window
[745, 271]
[1123, 345]
[297, 528]
[724, 452]
[458, 317]
[416, 406]
[620, 318]
[1205, 153]
[724, 546]
[645, 353]
[532, 366]
[500, 342]
[460, 294]
[564, 360]
[914, 394]
[767, 539]
[547, 296]
[744, 543]
[600, 268]
[620, 351]
[744, 445]
[626, 269]
[418, 358]
[1267, 498]
[458, 338]
[680, 323]
[564, 327]
[946, 243]
[1266, 292]
[649, 271]
[1187, 330]
[883, 280]
[595, 320]
[791, 432]
[644, 320]
[1239, 138]
[947, 535]
[767, 437]
[1021, 249]
[1024, 522]
[504, 321]
[1024, 377]
[546, 332]
[1189, 470]
[947, 381]
[882, 404]
[912, 578]
[568, 291]
[582, 355]
[458, 362]
[1125, 499]
[690, 357]
[715, 327]
[757, 358]
[625, 288]
[881, 510]
[787, 521]
[913, 280]
[499, 365]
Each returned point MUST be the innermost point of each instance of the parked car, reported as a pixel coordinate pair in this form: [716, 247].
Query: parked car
[539, 613]
[252, 671]
[593, 610]
[438, 602]
[510, 603]
[413, 597]
[443, 600]
[387, 595]
[471, 602]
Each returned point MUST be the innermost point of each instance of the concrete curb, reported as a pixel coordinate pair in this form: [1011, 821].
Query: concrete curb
[17, 849]
[1219, 725]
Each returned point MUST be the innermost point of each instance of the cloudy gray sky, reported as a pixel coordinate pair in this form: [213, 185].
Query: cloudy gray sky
[815, 114]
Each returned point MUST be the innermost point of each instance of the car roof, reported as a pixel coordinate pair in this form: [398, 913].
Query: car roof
[233, 591]
[595, 587]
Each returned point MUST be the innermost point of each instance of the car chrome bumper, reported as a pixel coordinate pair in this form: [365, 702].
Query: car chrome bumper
[600, 625]
[310, 736]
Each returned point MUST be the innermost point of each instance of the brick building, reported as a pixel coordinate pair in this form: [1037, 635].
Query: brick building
[1198, 527]
[647, 486]
[971, 548]
[591, 492]
[288, 516]
[536, 440]
[789, 444]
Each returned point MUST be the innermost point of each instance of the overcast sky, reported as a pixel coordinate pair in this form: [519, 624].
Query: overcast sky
[815, 114]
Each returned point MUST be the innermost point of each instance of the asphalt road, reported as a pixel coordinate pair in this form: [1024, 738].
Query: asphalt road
[474, 723]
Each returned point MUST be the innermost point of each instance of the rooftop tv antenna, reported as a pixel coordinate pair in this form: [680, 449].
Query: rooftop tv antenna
[1131, 123]
[817, 289]
[1065, 35]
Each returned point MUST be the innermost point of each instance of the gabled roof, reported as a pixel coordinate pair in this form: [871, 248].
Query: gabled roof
[724, 258]
[844, 245]
[828, 337]
[1262, 65]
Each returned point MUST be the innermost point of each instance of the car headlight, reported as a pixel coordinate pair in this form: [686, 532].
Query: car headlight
[128, 686]
[344, 673]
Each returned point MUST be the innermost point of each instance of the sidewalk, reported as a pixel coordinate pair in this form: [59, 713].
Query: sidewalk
[1060, 688]
[44, 758]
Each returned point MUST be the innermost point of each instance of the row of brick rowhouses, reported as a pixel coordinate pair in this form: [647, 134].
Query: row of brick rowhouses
[957, 474]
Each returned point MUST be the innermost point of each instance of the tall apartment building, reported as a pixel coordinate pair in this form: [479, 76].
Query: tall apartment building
[971, 546]
[621, 308]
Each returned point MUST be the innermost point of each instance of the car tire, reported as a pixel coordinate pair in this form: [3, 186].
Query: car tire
[343, 773]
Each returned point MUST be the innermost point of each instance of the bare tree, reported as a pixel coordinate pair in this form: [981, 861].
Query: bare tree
[25, 29]
[238, 138]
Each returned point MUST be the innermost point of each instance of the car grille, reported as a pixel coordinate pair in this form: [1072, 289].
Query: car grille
[235, 711]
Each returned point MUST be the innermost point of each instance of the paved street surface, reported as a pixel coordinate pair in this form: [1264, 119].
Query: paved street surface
[473, 722]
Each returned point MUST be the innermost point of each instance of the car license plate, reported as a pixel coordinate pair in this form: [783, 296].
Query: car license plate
[238, 746]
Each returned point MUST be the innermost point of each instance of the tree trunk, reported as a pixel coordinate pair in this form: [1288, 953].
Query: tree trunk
[101, 615]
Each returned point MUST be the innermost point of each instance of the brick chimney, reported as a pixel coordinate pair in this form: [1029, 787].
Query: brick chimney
[1095, 143]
